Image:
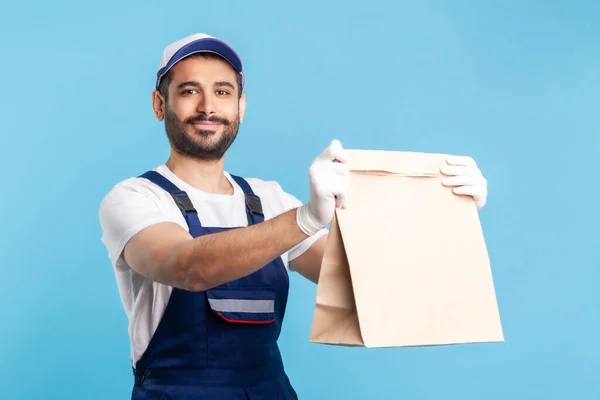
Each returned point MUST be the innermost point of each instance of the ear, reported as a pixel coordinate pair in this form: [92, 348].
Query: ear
[242, 103]
[158, 105]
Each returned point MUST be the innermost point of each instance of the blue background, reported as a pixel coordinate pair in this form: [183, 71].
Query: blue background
[513, 84]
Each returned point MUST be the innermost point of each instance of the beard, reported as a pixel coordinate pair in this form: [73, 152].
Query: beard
[195, 143]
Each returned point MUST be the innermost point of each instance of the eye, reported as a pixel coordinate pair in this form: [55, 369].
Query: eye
[189, 92]
[222, 92]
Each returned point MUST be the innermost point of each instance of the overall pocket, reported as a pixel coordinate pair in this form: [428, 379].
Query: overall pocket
[243, 305]
[243, 329]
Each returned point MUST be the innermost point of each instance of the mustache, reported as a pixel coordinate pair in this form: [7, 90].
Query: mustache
[203, 118]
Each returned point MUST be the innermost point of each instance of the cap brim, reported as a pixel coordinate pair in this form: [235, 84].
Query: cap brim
[203, 45]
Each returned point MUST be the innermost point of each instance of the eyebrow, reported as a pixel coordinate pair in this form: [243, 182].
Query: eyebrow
[197, 84]
[188, 83]
[225, 83]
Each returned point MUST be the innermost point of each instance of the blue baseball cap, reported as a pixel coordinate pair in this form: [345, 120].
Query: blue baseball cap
[197, 43]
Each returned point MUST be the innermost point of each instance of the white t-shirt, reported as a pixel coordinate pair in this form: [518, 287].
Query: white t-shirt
[135, 203]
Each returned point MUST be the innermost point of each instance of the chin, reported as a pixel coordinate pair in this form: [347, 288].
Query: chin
[206, 133]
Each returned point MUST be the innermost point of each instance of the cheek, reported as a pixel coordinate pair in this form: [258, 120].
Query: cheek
[184, 109]
[230, 110]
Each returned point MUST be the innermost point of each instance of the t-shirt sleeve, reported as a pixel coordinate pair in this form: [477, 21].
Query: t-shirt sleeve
[288, 202]
[124, 211]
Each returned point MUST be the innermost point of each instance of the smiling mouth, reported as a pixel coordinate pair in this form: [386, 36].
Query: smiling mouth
[206, 124]
[206, 127]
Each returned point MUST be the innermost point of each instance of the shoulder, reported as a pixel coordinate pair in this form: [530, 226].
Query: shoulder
[128, 207]
[135, 193]
[130, 187]
[132, 199]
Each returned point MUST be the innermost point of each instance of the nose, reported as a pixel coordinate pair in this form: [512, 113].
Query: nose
[206, 105]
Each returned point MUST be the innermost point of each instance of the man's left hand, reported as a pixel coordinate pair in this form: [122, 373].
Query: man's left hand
[465, 178]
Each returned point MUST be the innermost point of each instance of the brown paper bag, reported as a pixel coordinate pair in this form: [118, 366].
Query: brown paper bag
[406, 263]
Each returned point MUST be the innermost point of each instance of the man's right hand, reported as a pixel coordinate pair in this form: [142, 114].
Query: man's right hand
[329, 177]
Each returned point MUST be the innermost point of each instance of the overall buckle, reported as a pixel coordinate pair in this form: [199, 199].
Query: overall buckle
[183, 201]
[254, 205]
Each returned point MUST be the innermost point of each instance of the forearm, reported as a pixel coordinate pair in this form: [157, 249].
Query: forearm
[214, 259]
[309, 263]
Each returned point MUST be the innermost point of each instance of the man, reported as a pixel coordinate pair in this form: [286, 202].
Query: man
[202, 256]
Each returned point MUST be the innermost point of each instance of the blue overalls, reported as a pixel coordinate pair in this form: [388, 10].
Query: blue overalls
[220, 343]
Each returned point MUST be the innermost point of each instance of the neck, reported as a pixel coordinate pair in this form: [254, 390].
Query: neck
[207, 176]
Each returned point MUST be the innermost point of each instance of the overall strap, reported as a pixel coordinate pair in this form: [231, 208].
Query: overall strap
[253, 204]
[181, 198]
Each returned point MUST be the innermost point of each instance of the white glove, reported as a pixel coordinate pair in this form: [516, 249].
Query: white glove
[466, 178]
[329, 177]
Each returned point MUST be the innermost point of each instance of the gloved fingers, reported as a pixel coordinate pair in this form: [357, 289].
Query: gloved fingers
[335, 151]
[340, 169]
[339, 189]
[460, 180]
[338, 152]
[463, 161]
[340, 200]
[465, 178]
[458, 170]
[476, 192]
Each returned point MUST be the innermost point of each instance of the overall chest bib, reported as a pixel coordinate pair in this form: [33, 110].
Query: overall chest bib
[219, 343]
